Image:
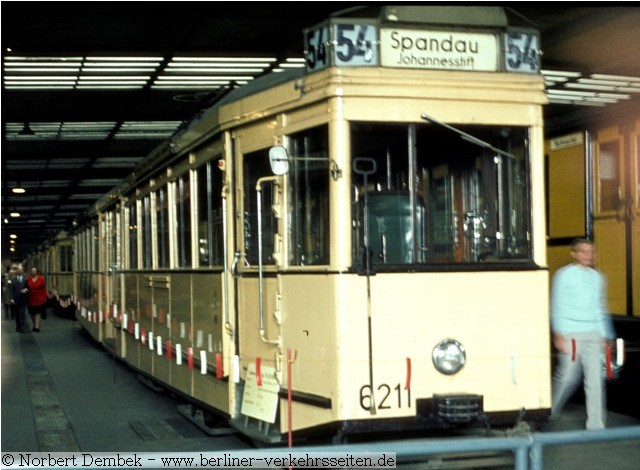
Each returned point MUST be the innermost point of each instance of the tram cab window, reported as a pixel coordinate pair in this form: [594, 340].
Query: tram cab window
[309, 197]
[437, 199]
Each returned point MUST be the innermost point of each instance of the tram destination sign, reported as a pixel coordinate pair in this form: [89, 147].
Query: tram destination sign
[443, 50]
[361, 43]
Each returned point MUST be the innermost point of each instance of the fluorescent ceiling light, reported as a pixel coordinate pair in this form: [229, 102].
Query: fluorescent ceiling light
[225, 59]
[41, 69]
[173, 86]
[218, 66]
[35, 58]
[613, 83]
[111, 82]
[602, 88]
[38, 87]
[108, 87]
[120, 69]
[31, 64]
[199, 77]
[127, 59]
[39, 82]
[291, 65]
[115, 77]
[37, 77]
[166, 125]
[601, 76]
[212, 70]
[87, 125]
[92, 66]
[560, 73]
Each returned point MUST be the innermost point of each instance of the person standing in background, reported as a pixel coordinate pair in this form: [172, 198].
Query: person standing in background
[19, 298]
[37, 297]
[6, 291]
[582, 327]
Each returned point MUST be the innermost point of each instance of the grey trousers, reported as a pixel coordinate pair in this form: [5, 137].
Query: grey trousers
[573, 365]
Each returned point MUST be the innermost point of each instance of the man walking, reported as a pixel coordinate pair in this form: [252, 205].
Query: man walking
[19, 299]
[581, 328]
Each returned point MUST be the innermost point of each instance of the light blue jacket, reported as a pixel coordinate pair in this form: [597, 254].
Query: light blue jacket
[578, 302]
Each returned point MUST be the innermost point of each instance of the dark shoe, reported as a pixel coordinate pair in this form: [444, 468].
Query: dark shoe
[37, 330]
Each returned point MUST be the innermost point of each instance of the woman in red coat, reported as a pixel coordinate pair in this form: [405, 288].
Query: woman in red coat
[37, 297]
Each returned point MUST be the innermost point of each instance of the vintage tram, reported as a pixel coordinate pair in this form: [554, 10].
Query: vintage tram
[358, 246]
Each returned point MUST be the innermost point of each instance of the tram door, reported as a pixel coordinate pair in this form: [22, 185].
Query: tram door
[616, 208]
[255, 265]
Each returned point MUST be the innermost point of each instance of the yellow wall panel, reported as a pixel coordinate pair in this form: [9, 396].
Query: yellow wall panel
[566, 189]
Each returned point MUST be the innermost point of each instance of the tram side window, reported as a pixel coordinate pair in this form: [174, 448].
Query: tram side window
[609, 176]
[309, 198]
[255, 166]
[66, 259]
[210, 229]
[183, 215]
[80, 265]
[132, 237]
[437, 199]
[115, 241]
[145, 229]
[95, 249]
[162, 227]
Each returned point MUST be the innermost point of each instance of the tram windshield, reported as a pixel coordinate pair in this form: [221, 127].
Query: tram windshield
[434, 198]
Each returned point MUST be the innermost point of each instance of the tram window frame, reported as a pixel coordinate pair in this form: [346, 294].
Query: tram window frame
[209, 217]
[131, 215]
[115, 241]
[65, 257]
[255, 165]
[106, 245]
[161, 210]
[487, 197]
[182, 228]
[308, 192]
[95, 248]
[146, 230]
[610, 185]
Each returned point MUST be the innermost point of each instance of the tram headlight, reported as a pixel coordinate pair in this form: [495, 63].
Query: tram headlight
[449, 356]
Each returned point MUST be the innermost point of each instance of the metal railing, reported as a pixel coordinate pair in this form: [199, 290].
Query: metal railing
[528, 450]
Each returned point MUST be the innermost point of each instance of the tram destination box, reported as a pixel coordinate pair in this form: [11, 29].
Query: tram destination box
[399, 39]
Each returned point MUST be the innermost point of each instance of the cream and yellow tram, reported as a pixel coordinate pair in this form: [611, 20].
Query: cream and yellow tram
[352, 247]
